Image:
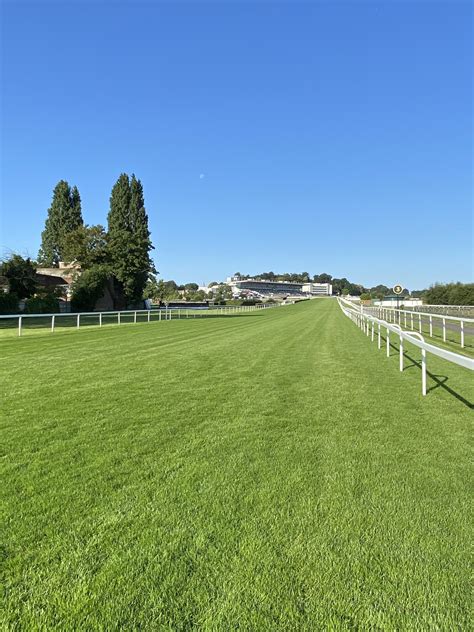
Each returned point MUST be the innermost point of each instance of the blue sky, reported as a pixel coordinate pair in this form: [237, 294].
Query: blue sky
[333, 137]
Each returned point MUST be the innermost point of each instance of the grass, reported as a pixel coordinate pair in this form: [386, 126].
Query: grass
[267, 471]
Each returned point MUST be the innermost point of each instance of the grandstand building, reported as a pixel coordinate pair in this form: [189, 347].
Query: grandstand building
[281, 289]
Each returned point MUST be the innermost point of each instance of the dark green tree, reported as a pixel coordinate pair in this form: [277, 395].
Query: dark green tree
[87, 245]
[129, 238]
[64, 216]
[191, 287]
[21, 276]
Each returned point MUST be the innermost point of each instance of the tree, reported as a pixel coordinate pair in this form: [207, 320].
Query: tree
[322, 278]
[87, 245]
[191, 287]
[129, 238]
[88, 288]
[21, 276]
[450, 294]
[64, 216]
[379, 291]
[224, 292]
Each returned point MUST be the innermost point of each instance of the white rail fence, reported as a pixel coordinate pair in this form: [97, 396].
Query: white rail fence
[373, 327]
[52, 321]
[414, 319]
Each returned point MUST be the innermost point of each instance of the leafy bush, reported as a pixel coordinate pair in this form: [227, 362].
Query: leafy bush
[365, 296]
[8, 303]
[89, 288]
[21, 275]
[46, 304]
[251, 301]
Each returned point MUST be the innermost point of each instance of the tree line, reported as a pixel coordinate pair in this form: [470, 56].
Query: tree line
[117, 257]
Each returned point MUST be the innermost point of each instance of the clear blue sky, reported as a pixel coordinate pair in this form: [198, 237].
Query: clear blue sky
[333, 137]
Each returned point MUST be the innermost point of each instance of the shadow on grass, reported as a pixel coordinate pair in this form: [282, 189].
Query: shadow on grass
[440, 380]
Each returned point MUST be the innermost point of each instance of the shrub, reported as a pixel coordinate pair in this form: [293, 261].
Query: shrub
[9, 303]
[89, 288]
[47, 304]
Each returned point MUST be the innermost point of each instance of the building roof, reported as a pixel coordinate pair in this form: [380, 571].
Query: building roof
[48, 280]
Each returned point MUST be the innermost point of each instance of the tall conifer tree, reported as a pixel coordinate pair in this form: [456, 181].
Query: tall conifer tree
[64, 216]
[129, 237]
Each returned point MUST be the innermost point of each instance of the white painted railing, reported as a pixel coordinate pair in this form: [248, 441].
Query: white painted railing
[369, 323]
[149, 315]
[412, 319]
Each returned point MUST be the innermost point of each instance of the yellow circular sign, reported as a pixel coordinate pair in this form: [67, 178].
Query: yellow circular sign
[398, 289]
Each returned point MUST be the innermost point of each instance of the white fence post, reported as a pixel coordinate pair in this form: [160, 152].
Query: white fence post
[388, 343]
[118, 317]
[419, 322]
[431, 326]
[444, 329]
[148, 315]
[52, 323]
[379, 338]
[19, 325]
[462, 334]
[423, 371]
[78, 321]
[135, 317]
[401, 352]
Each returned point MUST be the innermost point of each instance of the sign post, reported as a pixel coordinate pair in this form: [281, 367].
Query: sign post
[397, 289]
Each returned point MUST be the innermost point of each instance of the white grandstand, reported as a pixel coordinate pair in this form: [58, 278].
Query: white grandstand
[282, 289]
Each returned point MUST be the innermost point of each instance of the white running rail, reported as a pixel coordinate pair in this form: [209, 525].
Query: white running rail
[413, 319]
[368, 323]
[169, 313]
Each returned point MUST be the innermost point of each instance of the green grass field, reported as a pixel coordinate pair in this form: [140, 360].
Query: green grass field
[269, 471]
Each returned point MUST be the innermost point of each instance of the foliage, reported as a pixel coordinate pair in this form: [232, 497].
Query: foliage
[191, 287]
[322, 278]
[21, 276]
[129, 237]
[64, 216]
[9, 303]
[450, 294]
[379, 291]
[198, 296]
[88, 288]
[87, 245]
[223, 293]
[365, 296]
[161, 291]
[47, 303]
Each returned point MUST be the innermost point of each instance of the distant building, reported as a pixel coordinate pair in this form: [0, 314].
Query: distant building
[278, 288]
[62, 276]
[317, 289]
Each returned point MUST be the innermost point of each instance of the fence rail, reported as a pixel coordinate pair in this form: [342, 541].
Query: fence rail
[393, 315]
[368, 323]
[52, 321]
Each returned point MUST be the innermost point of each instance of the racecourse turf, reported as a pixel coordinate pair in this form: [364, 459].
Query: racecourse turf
[266, 471]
